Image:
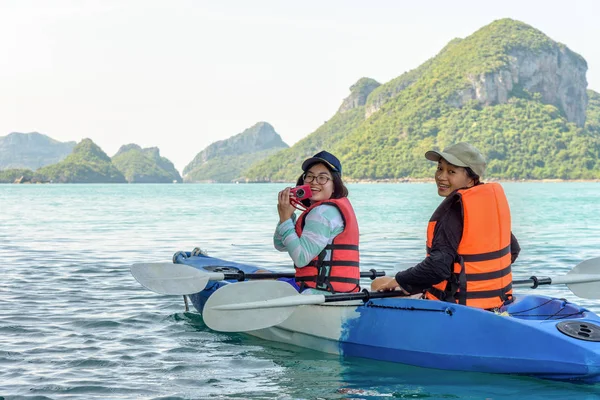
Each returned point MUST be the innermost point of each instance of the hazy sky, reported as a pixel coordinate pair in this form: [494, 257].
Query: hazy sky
[180, 75]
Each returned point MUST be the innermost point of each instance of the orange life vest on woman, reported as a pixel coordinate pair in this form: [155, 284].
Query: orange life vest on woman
[341, 273]
[482, 275]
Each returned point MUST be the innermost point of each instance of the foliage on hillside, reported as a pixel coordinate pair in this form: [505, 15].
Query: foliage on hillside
[9, 175]
[144, 165]
[592, 123]
[390, 89]
[86, 164]
[523, 138]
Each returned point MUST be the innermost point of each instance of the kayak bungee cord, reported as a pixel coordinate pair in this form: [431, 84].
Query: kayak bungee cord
[520, 314]
[548, 316]
[445, 311]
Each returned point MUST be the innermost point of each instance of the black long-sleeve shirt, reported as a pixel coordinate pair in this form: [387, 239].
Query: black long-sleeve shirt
[439, 265]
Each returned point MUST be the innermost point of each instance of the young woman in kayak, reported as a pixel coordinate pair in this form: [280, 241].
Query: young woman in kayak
[470, 246]
[323, 240]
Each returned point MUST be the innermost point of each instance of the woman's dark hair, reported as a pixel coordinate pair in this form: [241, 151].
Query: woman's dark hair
[339, 189]
[472, 175]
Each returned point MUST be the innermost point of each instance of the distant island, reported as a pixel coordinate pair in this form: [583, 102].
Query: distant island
[509, 89]
[31, 151]
[144, 165]
[87, 163]
[226, 160]
[222, 161]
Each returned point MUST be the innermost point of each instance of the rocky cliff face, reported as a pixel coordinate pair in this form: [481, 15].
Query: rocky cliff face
[558, 75]
[379, 99]
[359, 93]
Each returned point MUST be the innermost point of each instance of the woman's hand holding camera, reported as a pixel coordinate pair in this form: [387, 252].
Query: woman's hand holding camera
[284, 206]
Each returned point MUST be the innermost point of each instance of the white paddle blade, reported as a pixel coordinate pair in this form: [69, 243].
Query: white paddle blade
[240, 320]
[590, 288]
[169, 278]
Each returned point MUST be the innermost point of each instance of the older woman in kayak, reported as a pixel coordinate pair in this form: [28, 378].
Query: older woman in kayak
[323, 240]
[470, 247]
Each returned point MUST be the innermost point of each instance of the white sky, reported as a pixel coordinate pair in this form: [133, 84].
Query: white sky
[181, 74]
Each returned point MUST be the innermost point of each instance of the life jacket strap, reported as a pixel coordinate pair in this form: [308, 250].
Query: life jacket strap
[486, 256]
[492, 255]
[502, 293]
[338, 263]
[323, 271]
[331, 279]
[462, 283]
[333, 246]
[484, 276]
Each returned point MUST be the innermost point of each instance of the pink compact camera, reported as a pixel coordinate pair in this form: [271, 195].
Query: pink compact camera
[300, 193]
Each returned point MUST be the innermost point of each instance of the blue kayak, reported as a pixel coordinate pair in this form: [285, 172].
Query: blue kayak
[534, 335]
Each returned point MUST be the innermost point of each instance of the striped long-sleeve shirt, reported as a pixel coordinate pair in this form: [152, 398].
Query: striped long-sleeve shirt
[322, 224]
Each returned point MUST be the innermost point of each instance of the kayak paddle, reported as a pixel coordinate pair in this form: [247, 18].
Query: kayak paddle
[182, 279]
[272, 302]
[581, 280]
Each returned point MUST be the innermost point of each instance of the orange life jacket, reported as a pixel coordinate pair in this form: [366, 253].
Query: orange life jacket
[341, 273]
[482, 275]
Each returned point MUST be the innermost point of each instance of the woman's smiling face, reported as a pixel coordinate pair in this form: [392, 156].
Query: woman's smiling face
[321, 192]
[449, 178]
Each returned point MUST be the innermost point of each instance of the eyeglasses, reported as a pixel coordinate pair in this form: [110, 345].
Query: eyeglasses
[321, 179]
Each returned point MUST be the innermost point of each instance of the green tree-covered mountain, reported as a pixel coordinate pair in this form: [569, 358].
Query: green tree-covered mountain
[86, 164]
[144, 165]
[508, 89]
[224, 161]
[31, 150]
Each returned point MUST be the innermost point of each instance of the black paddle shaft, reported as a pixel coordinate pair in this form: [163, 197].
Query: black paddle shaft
[534, 281]
[365, 296]
[241, 276]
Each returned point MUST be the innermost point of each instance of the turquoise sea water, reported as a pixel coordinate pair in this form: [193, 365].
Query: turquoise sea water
[74, 324]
